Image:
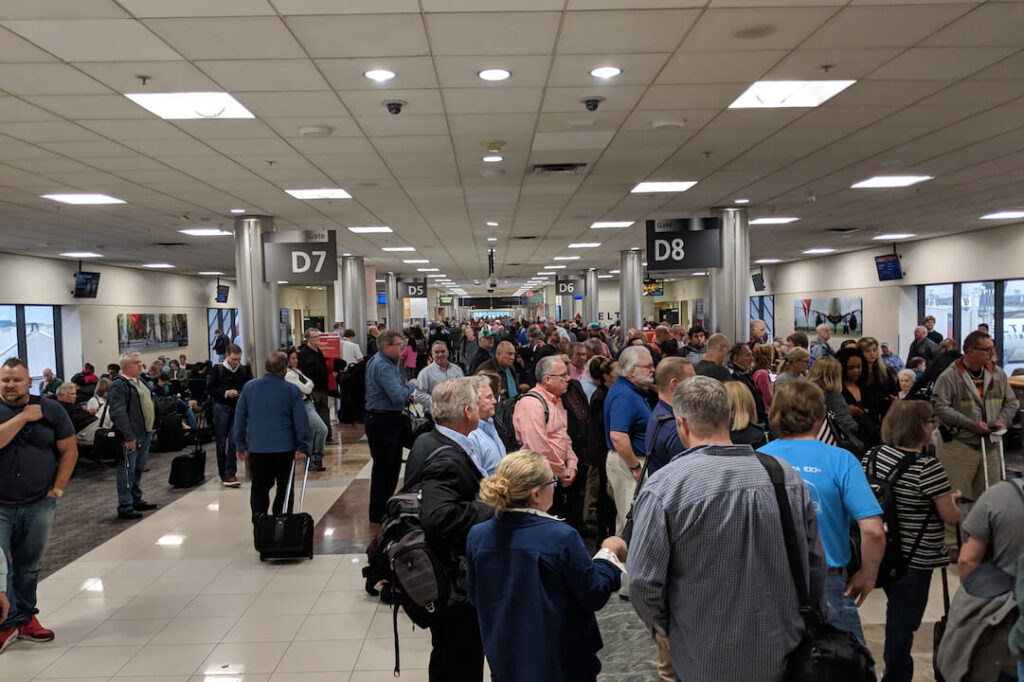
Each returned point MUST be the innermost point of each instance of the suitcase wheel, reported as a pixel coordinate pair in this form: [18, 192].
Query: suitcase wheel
[262, 558]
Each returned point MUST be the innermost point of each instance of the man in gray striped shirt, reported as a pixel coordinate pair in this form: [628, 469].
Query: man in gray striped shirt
[708, 561]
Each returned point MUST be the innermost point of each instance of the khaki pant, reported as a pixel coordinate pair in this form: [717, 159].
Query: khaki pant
[966, 474]
[665, 671]
[620, 478]
[591, 494]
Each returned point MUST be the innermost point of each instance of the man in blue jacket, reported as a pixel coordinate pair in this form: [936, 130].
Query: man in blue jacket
[271, 425]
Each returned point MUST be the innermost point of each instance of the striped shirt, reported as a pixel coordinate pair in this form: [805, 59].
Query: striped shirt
[707, 564]
[916, 491]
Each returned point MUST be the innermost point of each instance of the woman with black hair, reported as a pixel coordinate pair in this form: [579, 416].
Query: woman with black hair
[851, 359]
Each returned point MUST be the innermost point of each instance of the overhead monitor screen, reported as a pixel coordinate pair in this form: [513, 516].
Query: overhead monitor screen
[888, 267]
[654, 287]
[87, 284]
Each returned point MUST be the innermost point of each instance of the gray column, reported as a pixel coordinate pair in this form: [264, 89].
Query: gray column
[591, 283]
[631, 281]
[395, 308]
[257, 300]
[353, 293]
[730, 284]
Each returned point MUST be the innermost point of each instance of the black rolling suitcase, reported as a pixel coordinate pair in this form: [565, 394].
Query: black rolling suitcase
[170, 437]
[284, 535]
[189, 469]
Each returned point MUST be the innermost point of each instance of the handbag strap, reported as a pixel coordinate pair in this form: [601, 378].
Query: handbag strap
[662, 420]
[796, 566]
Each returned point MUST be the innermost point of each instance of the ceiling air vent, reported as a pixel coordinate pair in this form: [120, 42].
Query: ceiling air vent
[526, 237]
[557, 169]
[843, 231]
[170, 244]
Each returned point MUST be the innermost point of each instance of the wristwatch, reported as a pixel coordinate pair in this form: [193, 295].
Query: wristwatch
[58, 492]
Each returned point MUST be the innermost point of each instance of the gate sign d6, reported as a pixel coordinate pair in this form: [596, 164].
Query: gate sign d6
[412, 288]
[568, 287]
[300, 263]
[680, 244]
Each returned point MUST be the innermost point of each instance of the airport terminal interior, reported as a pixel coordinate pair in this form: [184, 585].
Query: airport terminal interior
[855, 162]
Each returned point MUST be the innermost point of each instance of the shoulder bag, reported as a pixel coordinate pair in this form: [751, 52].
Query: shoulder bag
[108, 443]
[825, 653]
[627, 528]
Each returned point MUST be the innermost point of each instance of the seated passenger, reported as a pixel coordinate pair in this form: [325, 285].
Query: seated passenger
[530, 578]
[85, 424]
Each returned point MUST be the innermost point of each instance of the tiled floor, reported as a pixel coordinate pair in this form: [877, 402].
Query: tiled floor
[182, 597]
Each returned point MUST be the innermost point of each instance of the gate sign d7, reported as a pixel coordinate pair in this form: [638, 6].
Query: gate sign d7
[300, 263]
[683, 244]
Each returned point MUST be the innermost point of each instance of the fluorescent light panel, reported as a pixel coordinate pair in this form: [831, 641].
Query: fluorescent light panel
[886, 181]
[370, 229]
[81, 254]
[675, 186]
[206, 232]
[604, 224]
[1004, 215]
[323, 193]
[774, 221]
[767, 261]
[567, 257]
[427, 269]
[814, 252]
[783, 94]
[191, 105]
[210, 272]
[392, 249]
[416, 260]
[83, 199]
[158, 266]
[554, 267]
[494, 75]
[585, 245]
[238, 210]
[893, 236]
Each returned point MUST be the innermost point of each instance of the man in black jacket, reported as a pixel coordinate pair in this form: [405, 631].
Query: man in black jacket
[439, 465]
[133, 414]
[224, 386]
[313, 364]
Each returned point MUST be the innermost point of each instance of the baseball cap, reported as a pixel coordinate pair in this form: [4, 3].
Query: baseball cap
[594, 325]
[486, 333]
[886, 343]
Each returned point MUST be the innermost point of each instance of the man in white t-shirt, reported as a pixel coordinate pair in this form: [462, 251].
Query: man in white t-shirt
[350, 352]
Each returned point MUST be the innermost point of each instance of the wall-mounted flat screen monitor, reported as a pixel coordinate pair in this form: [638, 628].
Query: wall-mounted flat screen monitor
[888, 267]
[382, 298]
[87, 284]
[654, 287]
[222, 293]
[758, 281]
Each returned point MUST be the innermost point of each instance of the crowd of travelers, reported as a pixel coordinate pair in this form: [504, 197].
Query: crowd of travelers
[545, 438]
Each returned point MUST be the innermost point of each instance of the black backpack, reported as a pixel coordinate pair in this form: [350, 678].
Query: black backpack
[503, 414]
[894, 564]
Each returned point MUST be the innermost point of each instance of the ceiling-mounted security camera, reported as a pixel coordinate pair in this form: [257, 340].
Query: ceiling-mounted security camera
[394, 106]
[592, 103]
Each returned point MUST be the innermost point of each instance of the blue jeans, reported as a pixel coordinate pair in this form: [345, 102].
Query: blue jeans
[186, 409]
[129, 475]
[23, 534]
[318, 431]
[1020, 671]
[223, 421]
[842, 611]
[907, 601]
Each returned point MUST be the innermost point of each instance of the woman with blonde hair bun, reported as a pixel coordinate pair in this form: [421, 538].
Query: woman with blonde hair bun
[532, 582]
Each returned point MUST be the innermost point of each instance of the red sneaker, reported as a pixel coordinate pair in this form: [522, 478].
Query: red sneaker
[7, 638]
[34, 632]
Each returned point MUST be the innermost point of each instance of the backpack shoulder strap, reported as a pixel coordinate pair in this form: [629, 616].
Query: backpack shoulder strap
[662, 419]
[543, 403]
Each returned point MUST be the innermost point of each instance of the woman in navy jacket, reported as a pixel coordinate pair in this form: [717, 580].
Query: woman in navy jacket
[532, 581]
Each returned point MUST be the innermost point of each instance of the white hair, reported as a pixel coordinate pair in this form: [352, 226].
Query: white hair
[127, 357]
[628, 359]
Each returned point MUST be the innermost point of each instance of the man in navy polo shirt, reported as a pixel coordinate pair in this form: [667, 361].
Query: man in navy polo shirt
[626, 414]
[671, 372]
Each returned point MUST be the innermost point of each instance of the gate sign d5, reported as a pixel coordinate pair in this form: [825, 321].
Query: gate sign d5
[412, 288]
[683, 244]
[300, 262]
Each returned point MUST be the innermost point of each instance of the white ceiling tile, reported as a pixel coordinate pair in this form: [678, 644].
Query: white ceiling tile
[1008, 69]
[634, 4]
[97, 40]
[226, 129]
[492, 125]
[492, 33]
[434, 143]
[842, 64]
[492, 5]
[228, 38]
[989, 25]
[693, 120]
[14, 109]
[635, 31]
[161, 76]
[264, 75]
[899, 26]
[410, 73]
[86, 107]
[13, 48]
[46, 131]
[361, 35]
[895, 94]
[325, 7]
[131, 129]
[60, 9]
[47, 79]
[343, 127]
[572, 70]
[709, 96]
[491, 100]
[281, 105]
[461, 72]
[578, 120]
[369, 103]
[571, 99]
[786, 28]
[719, 67]
[403, 125]
[942, 63]
[151, 9]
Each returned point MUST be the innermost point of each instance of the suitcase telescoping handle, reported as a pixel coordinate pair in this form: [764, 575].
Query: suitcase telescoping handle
[291, 479]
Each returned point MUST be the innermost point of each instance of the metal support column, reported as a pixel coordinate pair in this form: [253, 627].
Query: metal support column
[395, 308]
[257, 299]
[730, 284]
[591, 284]
[353, 294]
[631, 281]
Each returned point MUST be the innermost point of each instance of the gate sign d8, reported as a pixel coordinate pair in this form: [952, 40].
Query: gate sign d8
[674, 245]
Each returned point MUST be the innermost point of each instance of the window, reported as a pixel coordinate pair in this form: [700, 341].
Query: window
[977, 306]
[1013, 326]
[32, 333]
[938, 302]
[763, 308]
[225, 319]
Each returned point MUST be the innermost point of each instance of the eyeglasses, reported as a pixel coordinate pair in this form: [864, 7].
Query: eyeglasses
[564, 375]
[553, 481]
[986, 349]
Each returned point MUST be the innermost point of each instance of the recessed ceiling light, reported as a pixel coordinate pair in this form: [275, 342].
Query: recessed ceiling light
[567, 258]
[767, 261]
[605, 72]
[600, 225]
[813, 252]
[437, 277]
[491, 223]
[779, 94]
[883, 181]
[417, 260]
[324, 193]
[391, 249]
[614, 272]
[380, 75]
[604, 277]
[554, 267]
[370, 230]
[379, 281]
[894, 235]
[206, 232]
[81, 254]
[585, 245]
[157, 266]
[546, 274]
[774, 221]
[494, 75]
[699, 274]
[83, 199]
[187, 105]
[427, 269]
[346, 254]
[649, 187]
[1004, 215]
[492, 239]
[741, 201]
[238, 210]
[210, 272]
[493, 158]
